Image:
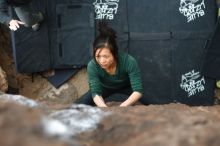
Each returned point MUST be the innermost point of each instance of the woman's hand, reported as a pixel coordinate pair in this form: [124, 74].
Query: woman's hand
[134, 97]
[15, 24]
[99, 101]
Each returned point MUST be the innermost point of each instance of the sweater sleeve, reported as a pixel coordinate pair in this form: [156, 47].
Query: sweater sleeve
[134, 74]
[4, 17]
[93, 79]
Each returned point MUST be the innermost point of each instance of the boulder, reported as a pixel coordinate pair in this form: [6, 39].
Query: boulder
[21, 126]
[157, 125]
[3, 81]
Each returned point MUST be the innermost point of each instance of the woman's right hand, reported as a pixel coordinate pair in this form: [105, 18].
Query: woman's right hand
[15, 24]
[99, 101]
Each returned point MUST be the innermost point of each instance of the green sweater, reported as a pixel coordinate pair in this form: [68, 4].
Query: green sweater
[127, 74]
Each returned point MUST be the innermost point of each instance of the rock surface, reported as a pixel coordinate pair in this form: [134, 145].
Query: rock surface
[80, 125]
[20, 126]
[158, 125]
[3, 81]
[24, 122]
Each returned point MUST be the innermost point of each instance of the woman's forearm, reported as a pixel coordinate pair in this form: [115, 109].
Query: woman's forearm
[134, 97]
[99, 101]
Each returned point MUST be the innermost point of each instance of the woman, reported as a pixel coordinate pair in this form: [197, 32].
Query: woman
[111, 72]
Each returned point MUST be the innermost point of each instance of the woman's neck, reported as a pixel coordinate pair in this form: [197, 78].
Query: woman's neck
[112, 69]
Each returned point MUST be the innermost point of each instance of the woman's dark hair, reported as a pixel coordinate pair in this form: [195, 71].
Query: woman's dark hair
[106, 39]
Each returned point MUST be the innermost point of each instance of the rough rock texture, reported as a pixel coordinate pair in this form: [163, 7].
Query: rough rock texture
[6, 59]
[38, 125]
[3, 81]
[153, 125]
[20, 126]
[158, 125]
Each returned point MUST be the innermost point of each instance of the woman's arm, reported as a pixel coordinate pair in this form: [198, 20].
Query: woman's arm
[134, 97]
[95, 84]
[135, 81]
[99, 101]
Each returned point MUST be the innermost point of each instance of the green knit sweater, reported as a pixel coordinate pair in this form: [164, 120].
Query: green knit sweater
[127, 74]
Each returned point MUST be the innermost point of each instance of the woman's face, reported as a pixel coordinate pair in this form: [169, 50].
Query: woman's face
[104, 58]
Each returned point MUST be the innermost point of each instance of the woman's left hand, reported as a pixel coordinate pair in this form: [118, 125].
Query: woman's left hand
[134, 97]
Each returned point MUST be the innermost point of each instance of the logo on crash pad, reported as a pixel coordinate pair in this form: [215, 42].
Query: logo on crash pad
[192, 9]
[106, 9]
[192, 83]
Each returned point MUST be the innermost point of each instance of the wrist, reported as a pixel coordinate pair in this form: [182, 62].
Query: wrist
[123, 105]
